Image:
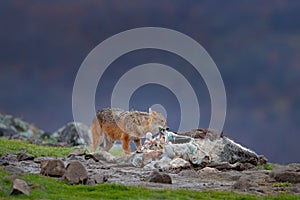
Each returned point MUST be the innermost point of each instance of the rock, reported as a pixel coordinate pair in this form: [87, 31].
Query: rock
[262, 160]
[151, 156]
[143, 159]
[157, 177]
[78, 152]
[15, 128]
[102, 155]
[289, 173]
[53, 168]
[7, 133]
[14, 170]
[188, 173]
[163, 163]
[202, 134]
[24, 156]
[76, 173]
[97, 179]
[4, 162]
[20, 187]
[40, 159]
[73, 134]
[137, 160]
[213, 145]
[244, 184]
[179, 150]
[179, 163]
[209, 170]
[9, 157]
[227, 166]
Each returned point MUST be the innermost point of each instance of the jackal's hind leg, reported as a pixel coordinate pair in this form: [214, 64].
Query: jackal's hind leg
[125, 143]
[97, 136]
[108, 143]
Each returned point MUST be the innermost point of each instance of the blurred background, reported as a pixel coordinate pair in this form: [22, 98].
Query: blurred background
[255, 45]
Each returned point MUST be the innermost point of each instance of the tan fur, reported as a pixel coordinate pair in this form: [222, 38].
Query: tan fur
[114, 124]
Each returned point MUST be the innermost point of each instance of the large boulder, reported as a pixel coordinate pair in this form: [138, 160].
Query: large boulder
[76, 173]
[97, 179]
[24, 156]
[289, 173]
[179, 163]
[20, 186]
[157, 177]
[211, 146]
[53, 168]
[198, 147]
[73, 134]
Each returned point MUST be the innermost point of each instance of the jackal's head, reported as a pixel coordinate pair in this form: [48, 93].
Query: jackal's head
[157, 121]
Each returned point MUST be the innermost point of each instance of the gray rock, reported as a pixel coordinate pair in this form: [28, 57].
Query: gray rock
[9, 157]
[233, 153]
[157, 177]
[102, 155]
[76, 173]
[179, 163]
[53, 168]
[227, 166]
[24, 156]
[73, 134]
[188, 173]
[4, 162]
[14, 170]
[78, 152]
[40, 159]
[163, 163]
[15, 128]
[211, 146]
[143, 159]
[209, 170]
[137, 160]
[244, 184]
[202, 134]
[7, 133]
[289, 173]
[97, 179]
[20, 125]
[20, 186]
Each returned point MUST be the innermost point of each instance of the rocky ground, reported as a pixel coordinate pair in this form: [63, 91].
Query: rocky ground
[83, 168]
[211, 161]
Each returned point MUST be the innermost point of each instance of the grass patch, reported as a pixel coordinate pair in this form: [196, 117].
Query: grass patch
[17, 146]
[283, 185]
[267, 166]
[117, 150]
[52, 188]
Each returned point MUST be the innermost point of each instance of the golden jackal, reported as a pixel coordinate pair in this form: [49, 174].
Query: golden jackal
[114, 124]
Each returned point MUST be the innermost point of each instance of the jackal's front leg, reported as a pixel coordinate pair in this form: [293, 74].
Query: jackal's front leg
[138, 143]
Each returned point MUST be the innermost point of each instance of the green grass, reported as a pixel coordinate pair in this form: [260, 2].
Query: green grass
[17, 146]
[283, 185]
[267, 166]
[117, 150]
